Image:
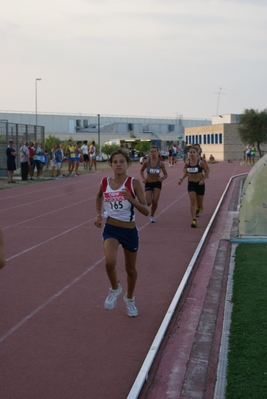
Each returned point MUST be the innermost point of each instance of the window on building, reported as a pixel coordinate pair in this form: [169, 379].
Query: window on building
[171, 128]
[196, 139]
[186, 139]
[200, 139]
[205, 138]
[189, 139]
[220, 138]
[193, 139]
[208, 137]
[216, 138]
[85, 123]
[78, 122]
[145, 128]
[212, 139]
[130, 127]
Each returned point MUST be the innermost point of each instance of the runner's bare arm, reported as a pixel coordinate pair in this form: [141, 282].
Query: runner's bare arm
[99, 203]
[139, 203]
[144, 166]
[163, 168]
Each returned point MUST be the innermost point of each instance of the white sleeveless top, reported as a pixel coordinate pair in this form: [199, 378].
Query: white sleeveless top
[114, 202]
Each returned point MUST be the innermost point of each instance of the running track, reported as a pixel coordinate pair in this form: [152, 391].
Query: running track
[56, 339]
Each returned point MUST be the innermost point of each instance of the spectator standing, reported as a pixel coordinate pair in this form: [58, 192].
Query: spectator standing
[78, 153]
[58, 157]
[92, 151]
[31, 155]
[53, 162]
[36, 158]
[247, 152]
[85, 151]
[24, 155]
[11, 162]
[42, 159]
[253, 154]
[62, 157]
[70, 151]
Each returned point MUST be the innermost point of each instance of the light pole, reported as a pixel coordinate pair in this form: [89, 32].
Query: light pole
[36, 100]
[98, 118]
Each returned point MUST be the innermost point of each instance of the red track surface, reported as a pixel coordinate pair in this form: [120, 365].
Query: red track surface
[56, 339]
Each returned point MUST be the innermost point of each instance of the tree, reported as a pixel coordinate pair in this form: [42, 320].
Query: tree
[49, 141]
[253, 127]
[109, 148]
[143, 146]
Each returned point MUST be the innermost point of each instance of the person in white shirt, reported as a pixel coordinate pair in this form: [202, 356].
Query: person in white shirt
[24, 161]
[85, 150]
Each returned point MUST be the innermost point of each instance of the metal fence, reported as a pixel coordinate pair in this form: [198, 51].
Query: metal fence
[19, 133]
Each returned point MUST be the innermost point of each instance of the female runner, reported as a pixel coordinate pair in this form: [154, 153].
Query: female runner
[153, 180]
[119, 196]
[203, 159]
[194, 168]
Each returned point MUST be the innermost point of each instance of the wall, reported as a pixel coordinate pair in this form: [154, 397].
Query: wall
[231, 148]
[217, 150]
[61, 123]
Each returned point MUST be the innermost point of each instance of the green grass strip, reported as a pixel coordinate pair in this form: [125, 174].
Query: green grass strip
[247, 357]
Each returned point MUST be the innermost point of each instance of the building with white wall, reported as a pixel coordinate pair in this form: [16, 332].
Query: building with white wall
[103, 128]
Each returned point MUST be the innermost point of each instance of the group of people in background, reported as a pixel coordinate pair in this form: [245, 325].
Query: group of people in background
[33, 156]
[73, 154]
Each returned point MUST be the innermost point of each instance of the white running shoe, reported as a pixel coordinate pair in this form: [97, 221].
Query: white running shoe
[152, 219]
[111, 299]
[132, 310]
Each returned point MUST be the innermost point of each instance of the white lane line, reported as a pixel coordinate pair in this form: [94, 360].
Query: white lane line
[2, 198]
[48, 213]
[46, 241]
[51, 299]
[41, 307]
[144, 370]
[40, 200]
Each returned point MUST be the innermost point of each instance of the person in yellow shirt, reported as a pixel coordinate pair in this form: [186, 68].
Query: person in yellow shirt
[70, 152]
[252, 154]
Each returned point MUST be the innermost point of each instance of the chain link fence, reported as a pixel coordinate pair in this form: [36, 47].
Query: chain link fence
[19, 133]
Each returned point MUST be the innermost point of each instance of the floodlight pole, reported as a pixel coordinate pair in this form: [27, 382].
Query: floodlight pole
[36, 80]
[98, 117]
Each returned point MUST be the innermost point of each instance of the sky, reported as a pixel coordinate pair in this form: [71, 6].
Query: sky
[161, 58]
